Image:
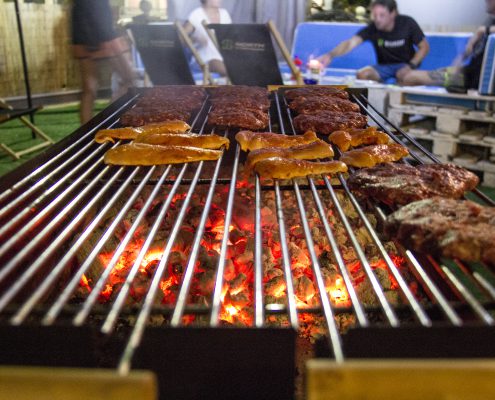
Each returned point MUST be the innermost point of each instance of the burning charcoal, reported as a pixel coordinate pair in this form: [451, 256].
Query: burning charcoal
[330, 277]
[245, 258]
[304, 288]
[239, 301]
[206, 281]
[229, 272]
[327, 260]
[298, 256]
[348, 253]
[268, 260]
[177, 263]
[298, 272]
[208, 259]
[237, 284]
[392, 297]
[276, 287]
[272, 273]
[383, 277]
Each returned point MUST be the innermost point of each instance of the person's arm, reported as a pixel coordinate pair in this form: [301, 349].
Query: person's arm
[423, 50]
[188, 27]
[343, 48]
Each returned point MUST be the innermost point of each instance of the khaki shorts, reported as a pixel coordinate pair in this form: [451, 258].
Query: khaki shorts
[449, 76]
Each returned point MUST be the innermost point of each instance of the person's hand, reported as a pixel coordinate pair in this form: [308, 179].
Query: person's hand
[325, 60]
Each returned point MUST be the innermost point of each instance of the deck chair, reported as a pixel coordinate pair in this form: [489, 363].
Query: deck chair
[8, 113]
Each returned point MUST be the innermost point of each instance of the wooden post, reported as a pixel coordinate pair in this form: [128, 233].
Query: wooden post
[285, 52]
[204, 66]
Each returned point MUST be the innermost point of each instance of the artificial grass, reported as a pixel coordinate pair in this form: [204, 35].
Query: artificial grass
[56, 121]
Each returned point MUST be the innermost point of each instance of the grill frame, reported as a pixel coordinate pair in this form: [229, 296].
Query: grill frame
[142, 343]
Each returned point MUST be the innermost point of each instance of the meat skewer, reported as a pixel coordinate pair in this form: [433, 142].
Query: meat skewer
[109, 135]
[287, 168]
[257, 140]
[309, 151]
[150, 154]
[369, 156]
[184, 139]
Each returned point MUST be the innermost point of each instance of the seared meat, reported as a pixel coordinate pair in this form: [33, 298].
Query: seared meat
[287, 168]
[246, 102]
[308, 151]
[357, 137]
[239, 91]
[238, 118]
[326, 122]
[258, 140]
[313, 105]
[369, 156]
[151, 154]
[108, 135]
[401, 184]
[292, 94]
[184, 139]
[142, 116]
[446, 228]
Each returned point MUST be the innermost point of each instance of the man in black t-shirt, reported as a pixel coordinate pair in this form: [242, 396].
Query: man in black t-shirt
[395, 39]
[465, 72]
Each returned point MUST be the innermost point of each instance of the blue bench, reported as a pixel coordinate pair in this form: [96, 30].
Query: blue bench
[312, 39]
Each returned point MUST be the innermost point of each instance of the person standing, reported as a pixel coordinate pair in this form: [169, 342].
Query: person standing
[399, 43]
[211, 12]
[94, 39]
[465, 72]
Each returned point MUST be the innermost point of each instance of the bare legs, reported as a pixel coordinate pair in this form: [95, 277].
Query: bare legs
[218, 67]
[89, 78]
[415, 78]
[368, 73]
[89, 87]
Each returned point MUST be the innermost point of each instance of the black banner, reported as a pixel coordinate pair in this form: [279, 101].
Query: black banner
[162, 53]
[248, 54]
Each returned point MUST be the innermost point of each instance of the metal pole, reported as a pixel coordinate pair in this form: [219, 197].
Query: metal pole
[24, 61]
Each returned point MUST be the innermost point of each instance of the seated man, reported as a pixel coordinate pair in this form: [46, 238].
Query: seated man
[393, 37]
[465, 73]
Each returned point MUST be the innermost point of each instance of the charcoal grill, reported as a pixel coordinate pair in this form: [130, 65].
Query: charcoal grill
[52, 205]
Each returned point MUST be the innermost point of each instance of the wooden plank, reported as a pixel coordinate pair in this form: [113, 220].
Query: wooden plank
[26, 383]
[401, 379]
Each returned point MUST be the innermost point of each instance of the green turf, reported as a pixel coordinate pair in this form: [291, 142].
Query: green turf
[56, 121]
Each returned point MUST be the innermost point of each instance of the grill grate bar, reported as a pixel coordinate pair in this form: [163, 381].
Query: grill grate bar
[463, 292]
[138, 330]
[11, 265]
[181, 303]
[69, 289]
[217, 293]
[327, 308]
[42, 197]
[335, 340]
[356, 304]
[258, 266]
[418, 310]
[485, 284]
[59, 268]
[285, 257]
[91, 299]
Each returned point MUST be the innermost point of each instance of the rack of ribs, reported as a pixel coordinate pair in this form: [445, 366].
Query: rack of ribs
[312, 105]
[399, 184]
[326, 122]
[446, 228]
[293, 94]
[346, 139]
[370, 156]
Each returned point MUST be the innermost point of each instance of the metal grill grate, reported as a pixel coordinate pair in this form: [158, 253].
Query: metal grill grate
[52, 208]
